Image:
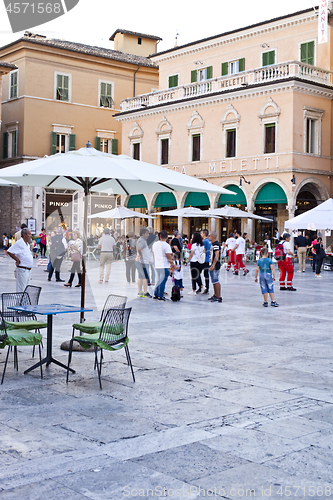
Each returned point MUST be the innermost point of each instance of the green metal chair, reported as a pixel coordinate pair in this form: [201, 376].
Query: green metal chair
[94, 327]
[113, 336]
[27, 321]
[17, 337]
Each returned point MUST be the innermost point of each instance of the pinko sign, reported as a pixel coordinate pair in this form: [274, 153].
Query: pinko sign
[25, 15]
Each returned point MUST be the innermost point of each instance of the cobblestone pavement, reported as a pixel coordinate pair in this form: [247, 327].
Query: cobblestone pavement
[231, 400]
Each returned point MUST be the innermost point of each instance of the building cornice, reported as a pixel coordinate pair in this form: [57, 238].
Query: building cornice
[288, 85]
[264, 28]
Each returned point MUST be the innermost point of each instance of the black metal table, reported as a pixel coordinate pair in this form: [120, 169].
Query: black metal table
[49, 310]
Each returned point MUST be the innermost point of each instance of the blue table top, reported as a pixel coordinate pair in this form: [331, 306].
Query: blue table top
[48, 309]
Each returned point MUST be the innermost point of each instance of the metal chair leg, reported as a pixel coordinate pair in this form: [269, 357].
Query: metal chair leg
[69, 358]
[4, 370]
[98, 365]
[130, 361]
[40, 359]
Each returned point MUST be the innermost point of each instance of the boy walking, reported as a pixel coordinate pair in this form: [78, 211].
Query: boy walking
[267, 276]
[214, 266]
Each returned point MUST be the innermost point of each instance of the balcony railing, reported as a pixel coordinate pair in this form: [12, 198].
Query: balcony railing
[258, 76]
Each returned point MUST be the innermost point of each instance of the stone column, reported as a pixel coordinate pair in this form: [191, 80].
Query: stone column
[180, 224]
[213, 223]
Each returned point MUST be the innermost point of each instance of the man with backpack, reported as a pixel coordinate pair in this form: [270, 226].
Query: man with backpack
[283, 255]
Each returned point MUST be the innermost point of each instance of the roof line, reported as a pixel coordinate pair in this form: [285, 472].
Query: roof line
[227, 33]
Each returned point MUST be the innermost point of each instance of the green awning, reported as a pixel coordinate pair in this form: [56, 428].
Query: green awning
[197, 200]
[229, 199]
[271, 193]
[166, 200]
[137, 201]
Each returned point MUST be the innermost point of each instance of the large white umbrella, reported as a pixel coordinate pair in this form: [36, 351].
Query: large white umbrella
[120, 213]
[235, 213]
[4, 182]
[320, 217]
[90, 170]
[185, 212]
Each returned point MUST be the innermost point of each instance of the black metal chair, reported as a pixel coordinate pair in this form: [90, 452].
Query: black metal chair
[34, 293]
[93, 327]
[27, 320]
[17, 337]
[113, 336]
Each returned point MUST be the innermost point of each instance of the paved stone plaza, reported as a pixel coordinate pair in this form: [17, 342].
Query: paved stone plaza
[231, 400]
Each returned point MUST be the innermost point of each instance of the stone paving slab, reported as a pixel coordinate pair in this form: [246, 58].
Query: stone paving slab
[229, 396]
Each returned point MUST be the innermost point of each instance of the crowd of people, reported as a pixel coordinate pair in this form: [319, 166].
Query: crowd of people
[152, 258]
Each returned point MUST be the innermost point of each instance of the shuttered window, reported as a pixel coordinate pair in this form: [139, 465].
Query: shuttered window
[268, 58]
[13, 84]
[62, 90]
[233, 67]
[173, 81]
[105, 99]
[106, 145]
[307, 53]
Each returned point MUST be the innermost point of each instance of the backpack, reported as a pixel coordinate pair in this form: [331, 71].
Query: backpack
[279, 252]
[175, 293]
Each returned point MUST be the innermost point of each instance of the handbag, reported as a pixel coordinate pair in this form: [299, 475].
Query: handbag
[75, 257]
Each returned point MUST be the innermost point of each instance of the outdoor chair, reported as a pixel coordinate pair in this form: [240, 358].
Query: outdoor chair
[27, 321]
[34, 293]
[112, 337]
[93, 327]
[17, 337]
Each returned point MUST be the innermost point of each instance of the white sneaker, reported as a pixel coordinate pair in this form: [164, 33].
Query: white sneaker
[318, 276]
[191, 293]
[299, 271]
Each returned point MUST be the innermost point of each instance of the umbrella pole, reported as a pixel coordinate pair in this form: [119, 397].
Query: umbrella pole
[84, 254]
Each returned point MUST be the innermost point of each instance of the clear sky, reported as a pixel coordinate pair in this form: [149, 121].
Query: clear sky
[94, 21]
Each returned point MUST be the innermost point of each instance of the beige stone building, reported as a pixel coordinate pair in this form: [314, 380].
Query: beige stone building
[250, 110]
[61, 95]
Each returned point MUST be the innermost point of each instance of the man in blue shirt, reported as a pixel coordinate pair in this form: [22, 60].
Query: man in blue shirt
[205, 266]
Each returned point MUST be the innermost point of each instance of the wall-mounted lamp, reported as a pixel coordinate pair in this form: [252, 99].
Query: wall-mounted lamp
[198, 62]
[241, 182]
[37, 196]
[264, 45]
[293, 181]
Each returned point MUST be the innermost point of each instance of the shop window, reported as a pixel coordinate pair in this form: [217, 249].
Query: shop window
[268, 58]
[231, 143]
[105, 95]
[9, 144]
[173, 81]
[13, 89]
[196, 147]
[136, 151]
[233, 67]
[307, 53]
[164, 151]
[269, 138]
[62, 87]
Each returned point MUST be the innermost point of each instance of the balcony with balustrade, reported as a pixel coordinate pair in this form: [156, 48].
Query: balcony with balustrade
[253, 77]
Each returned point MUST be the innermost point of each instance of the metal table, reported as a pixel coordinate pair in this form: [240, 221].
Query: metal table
[49, 310]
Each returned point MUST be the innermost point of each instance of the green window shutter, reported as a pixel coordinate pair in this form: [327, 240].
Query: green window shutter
[14, 143]
[224, 69]
[241, 64]
[13, 85]
[271, 57]
[108, 90]
[265, 59]
[209, 72]
[5, 145]
[98, 143]
[53, 143]
[72, 142]
[303, 52]
[175, 81]
[114, 146]
[311, 53]
[66, 88]
[193, 76]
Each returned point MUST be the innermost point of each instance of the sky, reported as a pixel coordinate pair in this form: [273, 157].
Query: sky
[94, 21]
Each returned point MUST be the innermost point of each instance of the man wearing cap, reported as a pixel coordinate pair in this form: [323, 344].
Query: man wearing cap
[286, 267]
[21, 253]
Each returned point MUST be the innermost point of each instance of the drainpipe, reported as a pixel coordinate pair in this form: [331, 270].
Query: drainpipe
[135, 72]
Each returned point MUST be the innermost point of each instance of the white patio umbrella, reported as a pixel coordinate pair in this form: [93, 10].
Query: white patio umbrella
[5, 183]
[185, 212]
[90, 170]
[120, 213]
[319, 217]
[228, 212]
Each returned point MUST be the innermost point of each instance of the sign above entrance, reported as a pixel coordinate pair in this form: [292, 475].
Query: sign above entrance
[101, 203]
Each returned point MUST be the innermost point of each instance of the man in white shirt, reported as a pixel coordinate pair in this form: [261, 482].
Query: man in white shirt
[21, 253]
[163, 259]
[286, 267]
[230, 244]
[105, 244]
[240, 252]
